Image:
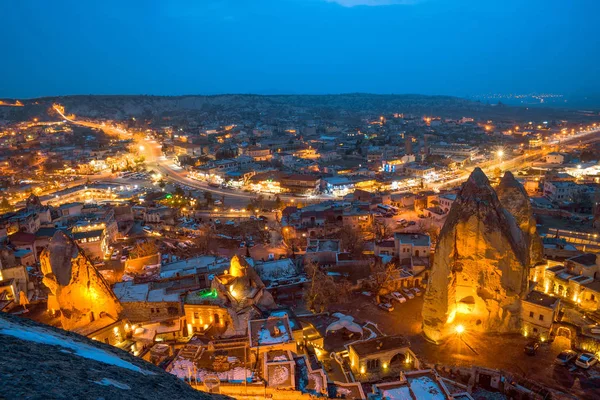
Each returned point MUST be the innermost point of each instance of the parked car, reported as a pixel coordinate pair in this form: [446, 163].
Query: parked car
[398, 297]
[242, 244]
[402, 221]
[411, 223]
[230, 222]
[123, 258]
[368, 294]
[217, 221]
[408, 293]
[586, 360]
[386, 307]
[115, 256]
[417, 291]
[531, 348]
[565, 357]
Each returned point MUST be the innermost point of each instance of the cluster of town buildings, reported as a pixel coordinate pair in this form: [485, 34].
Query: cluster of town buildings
[217, 321]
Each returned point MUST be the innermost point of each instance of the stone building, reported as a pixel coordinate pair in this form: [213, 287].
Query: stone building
[538, 313]
[381, 357]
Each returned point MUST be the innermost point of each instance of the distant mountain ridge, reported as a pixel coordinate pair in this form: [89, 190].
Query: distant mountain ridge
[323, 106]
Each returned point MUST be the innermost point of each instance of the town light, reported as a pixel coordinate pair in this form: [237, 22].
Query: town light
[459, 329]
[500, 153]
[141, 148]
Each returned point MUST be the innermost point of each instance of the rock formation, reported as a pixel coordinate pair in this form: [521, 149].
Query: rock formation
[39, 361]
[515, 200]
[78, 291]
[480, 268]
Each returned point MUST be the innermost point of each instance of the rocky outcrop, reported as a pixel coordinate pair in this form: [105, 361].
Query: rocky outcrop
[480, 268]
[78, 292]
[43, 362]
[515, 200]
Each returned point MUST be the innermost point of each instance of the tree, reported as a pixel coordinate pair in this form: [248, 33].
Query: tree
[143, 249]
[4, 204]
[162, 184]
[179, 191]
[352, 240]
[381, 276]
[208, 197]
[323, 290]
[381, 229]
[278, 202]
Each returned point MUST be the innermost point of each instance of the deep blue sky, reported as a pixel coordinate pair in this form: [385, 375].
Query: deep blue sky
[171, 47]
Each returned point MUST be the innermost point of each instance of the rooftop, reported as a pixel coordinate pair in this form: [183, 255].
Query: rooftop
[587, 260]
[380, 344]
[270, 331]
[416, 239]
[542, 299]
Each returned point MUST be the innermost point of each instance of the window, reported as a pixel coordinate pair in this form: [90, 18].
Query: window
[530, 314]
[535, 330]
[541, 317]
[196, 315]
[373, 365]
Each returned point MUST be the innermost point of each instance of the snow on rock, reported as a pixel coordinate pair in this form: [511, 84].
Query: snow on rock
[112, 382]
[44, 336]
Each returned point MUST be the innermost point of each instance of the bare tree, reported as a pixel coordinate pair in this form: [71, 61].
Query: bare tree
[323, 290]
[381, 229]
[352, 240]
[382, 276]
[144, 249]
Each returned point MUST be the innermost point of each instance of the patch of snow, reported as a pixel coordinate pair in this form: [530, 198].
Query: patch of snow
[184, 368]
[279, 375]
[45, 336]
[280, 358]
[111, 382]
[265, 337]
[400, 393]
[344, 321]
[317, 382]
[282, 314]
[425, 388]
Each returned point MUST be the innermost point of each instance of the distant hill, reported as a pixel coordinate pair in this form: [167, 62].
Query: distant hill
[317, 106]
[42, 362]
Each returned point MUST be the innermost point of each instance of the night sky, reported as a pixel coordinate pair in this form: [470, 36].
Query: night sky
[169, 47]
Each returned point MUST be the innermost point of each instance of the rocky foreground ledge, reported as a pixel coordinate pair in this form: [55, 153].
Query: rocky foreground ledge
[43, 362]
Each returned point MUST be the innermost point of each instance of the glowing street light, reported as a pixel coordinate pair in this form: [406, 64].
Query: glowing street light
[500, 153]
[459, 329]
